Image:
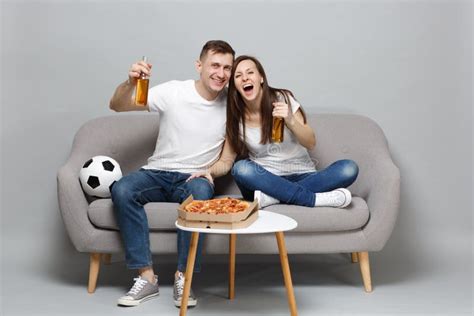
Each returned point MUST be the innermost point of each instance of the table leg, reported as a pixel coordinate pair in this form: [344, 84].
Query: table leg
[286, 272]
[232, 238]
[188, 276]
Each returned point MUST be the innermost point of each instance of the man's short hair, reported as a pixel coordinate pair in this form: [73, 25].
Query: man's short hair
[216, 46]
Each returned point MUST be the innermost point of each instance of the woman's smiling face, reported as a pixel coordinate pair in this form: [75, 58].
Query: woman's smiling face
[248, 80]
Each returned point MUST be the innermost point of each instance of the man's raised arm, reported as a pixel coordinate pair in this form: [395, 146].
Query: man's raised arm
[123, 100]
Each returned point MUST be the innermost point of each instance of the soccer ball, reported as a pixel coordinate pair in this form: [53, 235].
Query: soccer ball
[98, 174]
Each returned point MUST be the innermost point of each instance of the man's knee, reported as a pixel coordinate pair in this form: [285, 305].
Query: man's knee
[120, 190]
[200, 188]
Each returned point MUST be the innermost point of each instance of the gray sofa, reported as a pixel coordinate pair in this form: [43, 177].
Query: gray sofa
[363, 227]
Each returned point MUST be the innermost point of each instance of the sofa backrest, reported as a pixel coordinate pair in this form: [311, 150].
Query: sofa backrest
[130, 139]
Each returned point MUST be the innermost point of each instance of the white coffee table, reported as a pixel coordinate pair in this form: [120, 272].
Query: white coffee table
[267, 222]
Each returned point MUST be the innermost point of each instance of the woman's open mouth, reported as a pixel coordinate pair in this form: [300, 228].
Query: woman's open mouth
[248, 89]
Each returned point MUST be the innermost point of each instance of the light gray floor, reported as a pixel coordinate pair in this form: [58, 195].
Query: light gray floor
[324, 285]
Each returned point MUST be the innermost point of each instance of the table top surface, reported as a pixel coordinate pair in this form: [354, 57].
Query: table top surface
[267, 222]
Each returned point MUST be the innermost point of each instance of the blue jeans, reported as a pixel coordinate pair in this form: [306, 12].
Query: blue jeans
[136, 189]
[298, 189]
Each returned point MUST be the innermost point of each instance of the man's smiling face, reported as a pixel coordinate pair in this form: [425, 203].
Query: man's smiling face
[214, 70]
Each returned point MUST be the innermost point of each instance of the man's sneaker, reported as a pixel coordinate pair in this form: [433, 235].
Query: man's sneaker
[337, 198]
[179, 289]
[141, 291]
[264, 200]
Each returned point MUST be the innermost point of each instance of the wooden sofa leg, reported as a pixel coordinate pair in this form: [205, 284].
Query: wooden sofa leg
[354, 257]
[107, 258]
[93, 271]
[365, 270]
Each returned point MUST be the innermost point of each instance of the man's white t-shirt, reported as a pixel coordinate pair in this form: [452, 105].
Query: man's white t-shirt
[192, 129]
[285, 158]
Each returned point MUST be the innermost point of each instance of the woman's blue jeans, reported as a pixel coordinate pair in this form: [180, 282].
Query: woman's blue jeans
[298, 189]
[133, 191]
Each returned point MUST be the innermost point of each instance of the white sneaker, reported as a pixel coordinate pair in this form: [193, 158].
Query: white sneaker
[337, 198]
[264, 200]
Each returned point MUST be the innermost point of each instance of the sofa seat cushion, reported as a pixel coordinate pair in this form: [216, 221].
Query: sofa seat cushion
[326, 219]
[162, 216]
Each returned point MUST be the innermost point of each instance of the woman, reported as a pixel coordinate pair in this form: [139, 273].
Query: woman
[275, 172]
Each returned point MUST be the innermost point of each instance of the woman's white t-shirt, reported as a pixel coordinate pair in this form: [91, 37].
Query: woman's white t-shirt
[192, 129]
[288, 157]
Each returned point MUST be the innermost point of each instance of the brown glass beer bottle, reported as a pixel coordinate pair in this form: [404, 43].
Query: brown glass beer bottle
[141, 93]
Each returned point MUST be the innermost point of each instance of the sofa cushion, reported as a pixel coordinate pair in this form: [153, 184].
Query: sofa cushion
[326, 219]
[162, 216]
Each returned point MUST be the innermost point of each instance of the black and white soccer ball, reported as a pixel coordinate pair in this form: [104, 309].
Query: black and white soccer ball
[98, 174]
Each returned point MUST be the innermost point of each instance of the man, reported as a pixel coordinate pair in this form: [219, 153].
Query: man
[190, 140]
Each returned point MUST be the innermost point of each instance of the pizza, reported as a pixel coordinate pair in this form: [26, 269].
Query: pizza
[217, 206]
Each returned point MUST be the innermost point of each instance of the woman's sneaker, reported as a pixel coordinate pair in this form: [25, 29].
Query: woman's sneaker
[337, 198]
[141, 291]
[179, 289]
[263, 199]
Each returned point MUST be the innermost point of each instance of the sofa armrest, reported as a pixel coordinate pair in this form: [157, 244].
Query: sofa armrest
[73, 206]
[383, 199]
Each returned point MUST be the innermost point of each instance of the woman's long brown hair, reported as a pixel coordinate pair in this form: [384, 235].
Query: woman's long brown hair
[236, 109]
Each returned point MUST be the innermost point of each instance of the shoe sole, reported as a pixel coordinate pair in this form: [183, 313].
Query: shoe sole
[190, 303]
[347, 196]
[121, 302]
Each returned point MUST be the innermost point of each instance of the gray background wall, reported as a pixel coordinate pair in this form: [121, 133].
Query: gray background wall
[405, 64]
